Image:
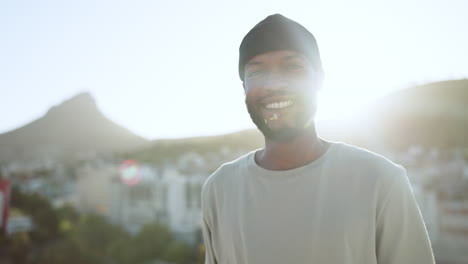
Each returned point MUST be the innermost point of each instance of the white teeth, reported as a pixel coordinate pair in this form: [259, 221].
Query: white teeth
[279, 105]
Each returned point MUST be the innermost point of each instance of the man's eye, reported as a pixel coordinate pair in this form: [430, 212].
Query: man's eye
[294, 66]
[255, 73]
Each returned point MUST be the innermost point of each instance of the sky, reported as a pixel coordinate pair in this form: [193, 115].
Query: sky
[168, 69]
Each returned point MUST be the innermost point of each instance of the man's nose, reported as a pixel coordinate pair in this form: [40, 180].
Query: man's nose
[275, 81]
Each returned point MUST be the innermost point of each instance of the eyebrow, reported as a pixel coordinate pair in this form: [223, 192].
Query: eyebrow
[285, 58]
[252, 63]
[291, 57]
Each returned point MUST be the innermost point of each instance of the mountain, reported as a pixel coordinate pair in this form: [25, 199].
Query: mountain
[432, 115]
[163, 150]
[75, 126]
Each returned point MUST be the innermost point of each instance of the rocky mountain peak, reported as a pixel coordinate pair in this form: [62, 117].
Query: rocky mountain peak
[82, 103]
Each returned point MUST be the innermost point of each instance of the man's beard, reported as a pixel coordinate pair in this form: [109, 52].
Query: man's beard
[304, 120]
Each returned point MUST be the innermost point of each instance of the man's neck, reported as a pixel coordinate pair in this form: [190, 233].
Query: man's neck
[295, 153]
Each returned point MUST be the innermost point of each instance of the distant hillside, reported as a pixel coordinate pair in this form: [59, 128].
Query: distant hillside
[434, 114]
[74, 126]
[164, 150]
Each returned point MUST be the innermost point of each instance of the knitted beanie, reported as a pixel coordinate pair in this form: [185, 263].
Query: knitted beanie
[277, 32]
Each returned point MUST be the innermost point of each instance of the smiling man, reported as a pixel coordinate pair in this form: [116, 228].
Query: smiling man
[301, 199]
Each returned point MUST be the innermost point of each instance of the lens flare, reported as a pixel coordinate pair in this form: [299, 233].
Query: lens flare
[130, 172]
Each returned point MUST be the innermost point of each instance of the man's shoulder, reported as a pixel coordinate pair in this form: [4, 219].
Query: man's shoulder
[360, 155]
[367, 162]
[227, 171]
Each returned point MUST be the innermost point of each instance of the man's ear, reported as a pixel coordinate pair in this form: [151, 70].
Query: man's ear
[319, 81]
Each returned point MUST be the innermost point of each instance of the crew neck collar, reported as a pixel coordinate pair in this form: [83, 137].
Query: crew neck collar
[257, 170]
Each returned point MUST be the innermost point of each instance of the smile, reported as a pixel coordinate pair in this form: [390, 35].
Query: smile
[278, 105]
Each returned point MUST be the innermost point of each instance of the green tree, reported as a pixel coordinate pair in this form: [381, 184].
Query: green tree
[19, 246]
[153, 242]
[94, 235]
[66, 251]
[41, 212]
[87, 240]
[176, 252]
[68, 217]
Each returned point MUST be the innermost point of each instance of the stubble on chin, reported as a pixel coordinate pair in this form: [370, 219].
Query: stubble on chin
[304, 120]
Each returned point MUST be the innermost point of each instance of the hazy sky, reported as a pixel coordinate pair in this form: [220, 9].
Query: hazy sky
[167, 69]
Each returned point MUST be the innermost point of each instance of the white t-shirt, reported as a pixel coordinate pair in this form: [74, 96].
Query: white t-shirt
[349, 206]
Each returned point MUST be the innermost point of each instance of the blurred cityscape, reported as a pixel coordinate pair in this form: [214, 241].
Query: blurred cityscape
[78, 203]
[170, 194]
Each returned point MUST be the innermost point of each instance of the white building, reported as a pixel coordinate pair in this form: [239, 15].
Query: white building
[166, 196]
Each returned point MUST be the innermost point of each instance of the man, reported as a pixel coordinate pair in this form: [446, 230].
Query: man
[302, 199]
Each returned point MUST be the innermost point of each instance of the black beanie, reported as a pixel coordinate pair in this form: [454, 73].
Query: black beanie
[277, 32]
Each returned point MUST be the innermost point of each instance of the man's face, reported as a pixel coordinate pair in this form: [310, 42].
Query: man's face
[280, 89]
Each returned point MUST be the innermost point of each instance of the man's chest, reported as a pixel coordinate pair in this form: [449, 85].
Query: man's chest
[302, 221]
